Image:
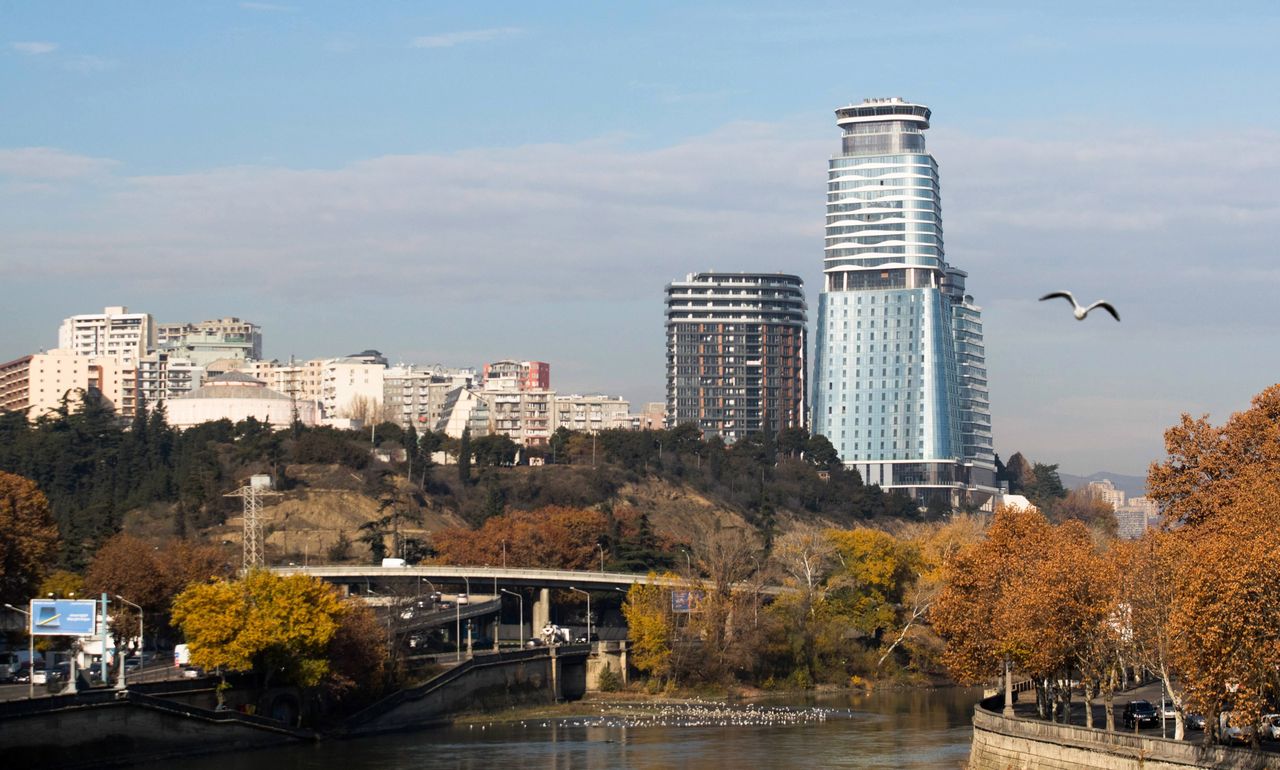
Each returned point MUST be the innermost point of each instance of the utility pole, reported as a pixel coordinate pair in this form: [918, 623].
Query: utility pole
[259, 486]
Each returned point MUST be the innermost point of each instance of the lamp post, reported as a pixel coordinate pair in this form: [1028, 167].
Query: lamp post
[520, 597]
[468, 582]
[31, 653]
[584, 593]
[688, 562]
[601, 556]
[140, 645]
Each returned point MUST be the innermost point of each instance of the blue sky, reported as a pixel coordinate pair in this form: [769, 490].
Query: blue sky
[469, 182]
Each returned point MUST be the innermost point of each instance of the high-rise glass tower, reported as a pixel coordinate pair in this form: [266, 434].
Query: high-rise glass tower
[900, 384]
[736, 353]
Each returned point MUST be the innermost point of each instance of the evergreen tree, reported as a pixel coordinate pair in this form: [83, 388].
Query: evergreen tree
[464, 456]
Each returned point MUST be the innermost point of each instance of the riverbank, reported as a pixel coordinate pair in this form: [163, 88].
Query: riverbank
[636, 700]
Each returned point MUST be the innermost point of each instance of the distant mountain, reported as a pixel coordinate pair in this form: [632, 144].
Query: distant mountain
[1133, 486]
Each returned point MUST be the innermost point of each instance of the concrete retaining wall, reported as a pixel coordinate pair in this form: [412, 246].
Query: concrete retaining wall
[485, 683]
[79, 731]
[1016, 743]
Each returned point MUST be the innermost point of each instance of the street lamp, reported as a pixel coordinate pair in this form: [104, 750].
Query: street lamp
[688, 562]
[31, 653]
[457, 621]
[601, 556]
[584, 593]
[140, 645]
[521, 598]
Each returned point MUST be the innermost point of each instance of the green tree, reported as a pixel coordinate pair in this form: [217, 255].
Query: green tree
[464, 456]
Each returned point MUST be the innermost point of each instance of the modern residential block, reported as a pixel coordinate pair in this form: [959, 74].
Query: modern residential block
[736, 360]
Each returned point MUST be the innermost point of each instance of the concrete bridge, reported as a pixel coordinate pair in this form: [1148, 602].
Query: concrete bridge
[378, 585]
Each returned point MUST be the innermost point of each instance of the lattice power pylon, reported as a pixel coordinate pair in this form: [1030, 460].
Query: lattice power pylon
[252, 494]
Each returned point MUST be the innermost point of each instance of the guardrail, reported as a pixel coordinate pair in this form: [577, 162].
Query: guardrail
[1123, 749]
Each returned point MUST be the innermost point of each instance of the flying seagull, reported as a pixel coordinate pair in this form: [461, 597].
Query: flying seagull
[1081, 312]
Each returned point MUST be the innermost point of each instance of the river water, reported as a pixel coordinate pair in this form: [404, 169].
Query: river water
[891, 729]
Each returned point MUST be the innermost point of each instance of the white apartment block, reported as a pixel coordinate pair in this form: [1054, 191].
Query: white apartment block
[416, 395]
[163, 376]
[347, 388]
[113, 332]
[1106, 491]
[524, 416]
[592, 414]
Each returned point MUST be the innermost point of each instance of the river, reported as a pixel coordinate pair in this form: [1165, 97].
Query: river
[890, 729]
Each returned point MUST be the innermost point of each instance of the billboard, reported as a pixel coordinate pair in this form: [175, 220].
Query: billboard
[685, 601]
[63, 617]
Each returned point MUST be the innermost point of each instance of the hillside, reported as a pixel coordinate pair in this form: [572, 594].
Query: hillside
[1132, 486]
[328, 504]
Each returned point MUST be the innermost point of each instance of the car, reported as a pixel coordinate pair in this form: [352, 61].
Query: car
[1269, 726]
[192, 672]
[1140, 712]
[132, 664]
[39, 676]
[1233, 732]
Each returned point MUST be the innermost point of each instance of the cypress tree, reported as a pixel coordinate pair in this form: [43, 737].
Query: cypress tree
[464, 456]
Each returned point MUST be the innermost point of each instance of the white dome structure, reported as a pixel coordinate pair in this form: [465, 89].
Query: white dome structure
[235, 396]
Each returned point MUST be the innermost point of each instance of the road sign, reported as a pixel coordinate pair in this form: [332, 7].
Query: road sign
[63, 617]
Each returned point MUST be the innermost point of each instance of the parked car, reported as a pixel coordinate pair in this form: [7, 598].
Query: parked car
[1269, 727]
[39, 676]
[1139, 713]
[1195, 721]
[1233, 732]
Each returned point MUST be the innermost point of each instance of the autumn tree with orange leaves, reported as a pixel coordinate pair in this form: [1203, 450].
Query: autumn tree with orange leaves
[1219, 490]
[28, 537]
[550, 537]
[1032, 593]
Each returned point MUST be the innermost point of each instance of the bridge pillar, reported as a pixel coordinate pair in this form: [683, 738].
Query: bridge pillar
[541, 610]
[556, 692]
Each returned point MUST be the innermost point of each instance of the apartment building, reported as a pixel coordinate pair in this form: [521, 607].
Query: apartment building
[113, 332]
[592, 414]
[526, 375]
[208, 341]
[416, 395]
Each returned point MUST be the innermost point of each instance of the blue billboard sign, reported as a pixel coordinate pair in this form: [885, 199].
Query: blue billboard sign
[685, 601]
[63, 617]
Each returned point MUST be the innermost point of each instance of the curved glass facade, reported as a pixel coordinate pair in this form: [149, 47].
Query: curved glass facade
[900, 384]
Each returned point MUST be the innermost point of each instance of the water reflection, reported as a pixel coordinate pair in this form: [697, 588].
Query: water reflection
[903, 729]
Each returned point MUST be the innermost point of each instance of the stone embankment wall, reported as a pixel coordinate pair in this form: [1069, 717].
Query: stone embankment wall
[104, 728]
[1017, 743]
[490, 682]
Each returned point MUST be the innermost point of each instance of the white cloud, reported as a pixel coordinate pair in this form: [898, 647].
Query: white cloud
[88, 63]
[451, 39]
[1155, 224]
[34, 48]
[49, 163]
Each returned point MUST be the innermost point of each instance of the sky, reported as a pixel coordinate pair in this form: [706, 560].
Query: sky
[460, 183]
